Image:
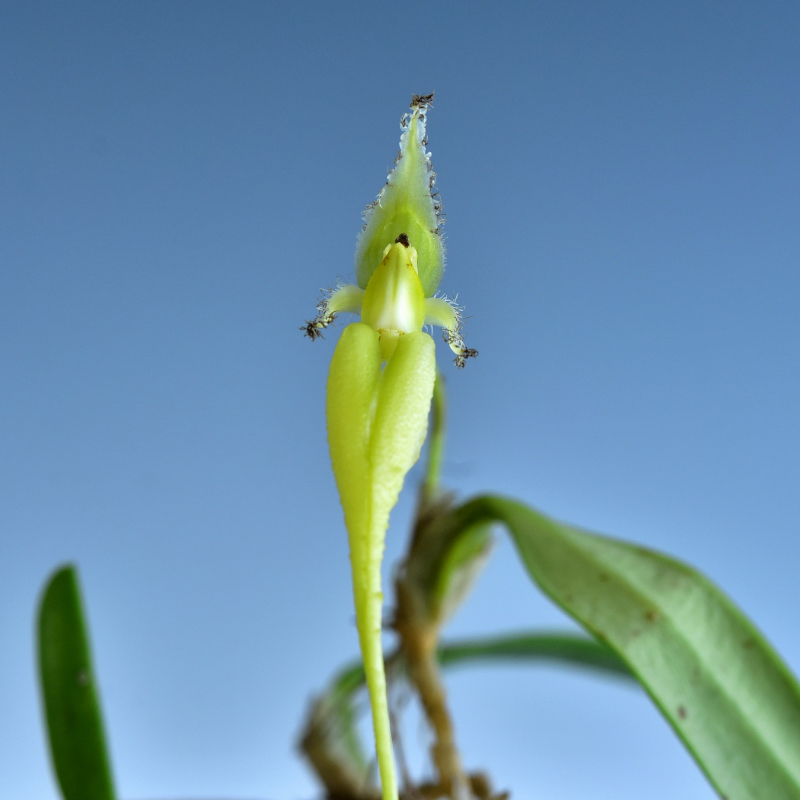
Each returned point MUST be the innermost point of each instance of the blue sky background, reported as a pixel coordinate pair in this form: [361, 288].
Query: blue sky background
[178, 180]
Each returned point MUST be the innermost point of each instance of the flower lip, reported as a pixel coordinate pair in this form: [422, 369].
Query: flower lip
[394, 300]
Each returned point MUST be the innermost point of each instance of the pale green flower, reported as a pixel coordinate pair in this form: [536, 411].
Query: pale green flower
[381, 382]
[407, 212]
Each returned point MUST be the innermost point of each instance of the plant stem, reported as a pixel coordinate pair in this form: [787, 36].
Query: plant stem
[419, 647]
[436, 439]
[370, 622]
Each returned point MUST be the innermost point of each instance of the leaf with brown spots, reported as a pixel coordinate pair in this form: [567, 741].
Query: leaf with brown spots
[696, 653]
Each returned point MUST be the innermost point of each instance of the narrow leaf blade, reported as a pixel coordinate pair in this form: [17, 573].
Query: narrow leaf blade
[562, 648]
[71, 704]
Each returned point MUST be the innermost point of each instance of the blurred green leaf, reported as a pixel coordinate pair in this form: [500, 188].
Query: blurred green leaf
[72, 708]
[724, 690]
[456, 572]
[331, 744]
[441, 565]
[566, 648]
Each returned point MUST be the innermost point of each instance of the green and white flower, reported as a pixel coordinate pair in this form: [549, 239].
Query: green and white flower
[381, 382]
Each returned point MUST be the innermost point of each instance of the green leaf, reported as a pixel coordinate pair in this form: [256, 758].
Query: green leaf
[458, 570]
[721, 686]
[563, 647]
[72, 708]
[441, 566]
[566, 648]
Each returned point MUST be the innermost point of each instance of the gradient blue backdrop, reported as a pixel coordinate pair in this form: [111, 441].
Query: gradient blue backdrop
[178, 180]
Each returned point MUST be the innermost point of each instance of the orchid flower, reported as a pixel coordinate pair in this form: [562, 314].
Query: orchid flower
[381, 380]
